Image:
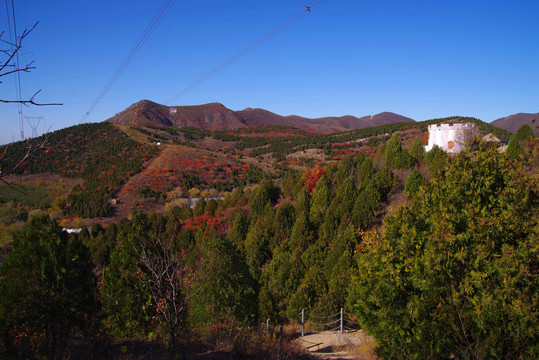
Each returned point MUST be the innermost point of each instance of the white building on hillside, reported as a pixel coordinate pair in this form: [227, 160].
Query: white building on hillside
[451, 138]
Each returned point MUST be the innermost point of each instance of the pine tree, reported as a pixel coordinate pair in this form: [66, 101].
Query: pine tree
[320, 201]
[46, 289]
[417, 149]
[413, 182]
[514, 149]
[396, 156]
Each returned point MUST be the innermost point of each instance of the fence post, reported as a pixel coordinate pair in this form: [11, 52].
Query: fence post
[267, 325]
[342, 315]
[302, 322]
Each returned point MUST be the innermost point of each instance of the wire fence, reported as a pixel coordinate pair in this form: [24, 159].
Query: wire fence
[341, 321]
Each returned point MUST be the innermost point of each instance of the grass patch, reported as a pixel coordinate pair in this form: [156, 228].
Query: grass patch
[33, 196]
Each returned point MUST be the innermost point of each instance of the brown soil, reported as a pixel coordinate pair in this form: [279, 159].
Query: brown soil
[336, 346]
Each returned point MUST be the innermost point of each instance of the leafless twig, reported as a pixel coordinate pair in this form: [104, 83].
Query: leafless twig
[7, 66]
[31, 101]
[171, 281]
[32, 147]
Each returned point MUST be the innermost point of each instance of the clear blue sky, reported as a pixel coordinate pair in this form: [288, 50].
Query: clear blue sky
[422, 59]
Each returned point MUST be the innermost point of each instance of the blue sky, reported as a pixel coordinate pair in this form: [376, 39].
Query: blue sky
[422, 59]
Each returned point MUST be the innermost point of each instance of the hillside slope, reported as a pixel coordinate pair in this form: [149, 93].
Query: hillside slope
[513, 122]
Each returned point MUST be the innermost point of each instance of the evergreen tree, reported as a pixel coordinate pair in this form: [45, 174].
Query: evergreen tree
[200, 206]
[396, 156]
[344, 199]
[262, 194]
[126, 297]
[514, 149]
[413, 182]
[365, 171]
[436, 160]
[320, 201]
[282, 277]
[302, 233]
[312, 287]
[46, 289]
[345, 168]
[417, 149]
[385, 182]
[455, 273]
[230, 292]
[257, 247]
[238, 229]
[285, 217]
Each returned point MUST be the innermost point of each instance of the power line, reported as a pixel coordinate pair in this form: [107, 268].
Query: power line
[156, 20]
[17, 73]
[258, 41]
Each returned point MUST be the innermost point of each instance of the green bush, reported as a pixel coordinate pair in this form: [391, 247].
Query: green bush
[46, 290]
[524, 133]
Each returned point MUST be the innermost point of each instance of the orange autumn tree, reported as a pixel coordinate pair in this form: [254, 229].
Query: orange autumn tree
[312, 176]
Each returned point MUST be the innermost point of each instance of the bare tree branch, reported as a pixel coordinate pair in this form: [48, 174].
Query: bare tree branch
[7, 66]
[171, 281]
[31, 101]
[18, 46]
[6, 169]
[27, 68]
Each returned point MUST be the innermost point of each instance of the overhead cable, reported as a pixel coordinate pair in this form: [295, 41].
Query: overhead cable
[12, 40]
[150, 28]
[258, 41]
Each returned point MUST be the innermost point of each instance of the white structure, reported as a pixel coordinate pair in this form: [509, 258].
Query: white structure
[173, 110]
[450, 138]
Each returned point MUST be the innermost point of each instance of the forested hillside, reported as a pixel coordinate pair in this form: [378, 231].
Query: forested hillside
[104, 170]
[435, 256]
[100, 154]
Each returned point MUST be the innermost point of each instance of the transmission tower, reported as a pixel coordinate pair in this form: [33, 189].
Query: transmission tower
[34, 122]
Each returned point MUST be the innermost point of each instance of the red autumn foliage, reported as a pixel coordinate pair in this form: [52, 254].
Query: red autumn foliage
[312, 176]
[212, 221]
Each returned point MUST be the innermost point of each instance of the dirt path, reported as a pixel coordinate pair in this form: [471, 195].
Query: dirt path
[336, 346]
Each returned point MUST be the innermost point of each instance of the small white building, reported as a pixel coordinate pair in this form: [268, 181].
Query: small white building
[452, 138]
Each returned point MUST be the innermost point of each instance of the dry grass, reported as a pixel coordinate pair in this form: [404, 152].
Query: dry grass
[254, 344]
[364, 351]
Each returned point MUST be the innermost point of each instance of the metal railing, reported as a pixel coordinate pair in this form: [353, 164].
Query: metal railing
[340, 321]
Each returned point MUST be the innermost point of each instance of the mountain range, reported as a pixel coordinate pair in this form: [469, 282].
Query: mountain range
[215, 116]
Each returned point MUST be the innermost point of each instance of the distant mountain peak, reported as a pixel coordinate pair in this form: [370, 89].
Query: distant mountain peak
[216, 116]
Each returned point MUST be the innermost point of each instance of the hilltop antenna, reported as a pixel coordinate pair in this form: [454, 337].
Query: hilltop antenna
[34, 122]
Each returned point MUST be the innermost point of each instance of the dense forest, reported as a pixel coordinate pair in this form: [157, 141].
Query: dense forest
[449, 270]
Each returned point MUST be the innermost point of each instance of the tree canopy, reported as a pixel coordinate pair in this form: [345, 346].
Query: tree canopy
[455, 274]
